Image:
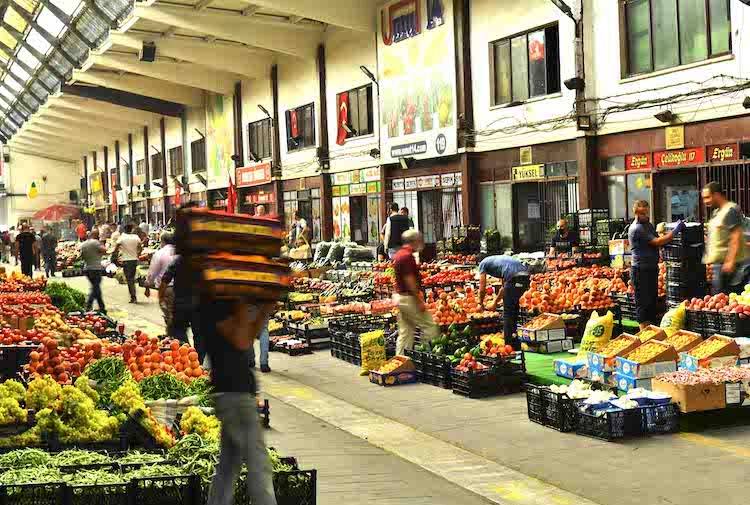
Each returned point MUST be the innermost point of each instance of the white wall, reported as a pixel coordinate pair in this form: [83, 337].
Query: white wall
[255, 92]
[345, 52]
[298, 85]
[496, 19]
[62, 177]
[603, 48]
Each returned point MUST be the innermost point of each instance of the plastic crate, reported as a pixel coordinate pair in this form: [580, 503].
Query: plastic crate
[733, 325]
[695, 320]
[173, 490]
[505, 366]
[680, 291]
[673, 252]
[32, 494]
[98, 494]
[607, 228]
[554, 410]
[686, 272]
[713, 322]
[693, 234]
[588, 217]
[660, 419]
[12, 359]
[610, 425]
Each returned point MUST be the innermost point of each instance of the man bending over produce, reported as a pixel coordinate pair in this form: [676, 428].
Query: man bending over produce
[515, 278]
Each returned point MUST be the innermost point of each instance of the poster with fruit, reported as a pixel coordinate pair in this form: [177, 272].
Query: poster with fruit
[417, 77]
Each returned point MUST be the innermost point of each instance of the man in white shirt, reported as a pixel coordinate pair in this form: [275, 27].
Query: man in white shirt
[129, 247]
[145, 227]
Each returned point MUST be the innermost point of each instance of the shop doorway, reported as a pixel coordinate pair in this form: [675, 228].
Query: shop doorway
[536, 208]
[676, 197]
[365, 219]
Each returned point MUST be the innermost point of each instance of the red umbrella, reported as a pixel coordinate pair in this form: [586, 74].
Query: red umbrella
[57, 213]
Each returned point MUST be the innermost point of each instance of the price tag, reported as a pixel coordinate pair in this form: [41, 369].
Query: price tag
[733, 394]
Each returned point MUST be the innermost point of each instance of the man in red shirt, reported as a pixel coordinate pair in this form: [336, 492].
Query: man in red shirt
[81, 231]
[412, 313]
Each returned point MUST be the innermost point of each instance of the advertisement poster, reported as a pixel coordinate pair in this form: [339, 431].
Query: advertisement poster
[341, 218]
[219, 139]
[417, 76]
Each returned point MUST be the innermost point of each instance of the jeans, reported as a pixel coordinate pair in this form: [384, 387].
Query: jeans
[129, 268]
[512, 292]
[730, 283]
[27, 266]
[95, 278]
[646, 284]
[241, 442]
[50, 264]
[6, 254]
[409, 319]
[264, 343]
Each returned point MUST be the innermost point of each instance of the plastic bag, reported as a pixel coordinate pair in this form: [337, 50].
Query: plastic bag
[674, 319]
[597, 333]
[321, 250]
[373, 350]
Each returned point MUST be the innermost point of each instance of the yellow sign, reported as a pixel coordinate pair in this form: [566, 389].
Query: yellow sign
[528, 173]
[525, 155]
[33, 191]
[674, 137]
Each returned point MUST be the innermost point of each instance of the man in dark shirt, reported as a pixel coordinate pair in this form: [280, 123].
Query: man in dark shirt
[396, 225]
[49, 252]
[412, 312]
[644, 269]
[564, 240]
[26, 250]
[516, 280]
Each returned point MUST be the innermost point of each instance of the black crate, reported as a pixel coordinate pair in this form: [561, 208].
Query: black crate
[695, 320]
[672, 252]
[173, 490]
[608, 228]
[693, 234]
[99, 494]
[686, 272]
[33, 494]
[12, 360]
[734, 326]
[678, 292]
[507, 365]
[588, 217]
[554, 410]
[713, 322]
[610, 425]
[660, 419]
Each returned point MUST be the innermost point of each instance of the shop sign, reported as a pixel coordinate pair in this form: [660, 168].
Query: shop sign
[679, 158]
[264, 197]
[674, 137]
[343, 190]
[336, 191]
[638, 161]
[398, 184]
[524, 155]
[410, 184]
[723, 152]
[371, 174]
[447, 180]
[358, 189]
[528, 173]
[428, 182]
[252, 176]
[459, 178]
[342, 178]
[373, 187]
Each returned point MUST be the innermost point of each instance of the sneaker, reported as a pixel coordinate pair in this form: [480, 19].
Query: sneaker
[265, 368]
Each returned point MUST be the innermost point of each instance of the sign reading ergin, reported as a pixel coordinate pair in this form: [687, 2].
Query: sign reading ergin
[417, 77]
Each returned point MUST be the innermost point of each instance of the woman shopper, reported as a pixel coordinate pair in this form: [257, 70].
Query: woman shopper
[644, 269]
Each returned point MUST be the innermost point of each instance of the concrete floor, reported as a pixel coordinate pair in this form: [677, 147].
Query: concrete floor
[419, 443]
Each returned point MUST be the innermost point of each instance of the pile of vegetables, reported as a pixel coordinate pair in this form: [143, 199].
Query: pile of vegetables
[66, 298]
[128, 398]
[109, 374]
[195, 421]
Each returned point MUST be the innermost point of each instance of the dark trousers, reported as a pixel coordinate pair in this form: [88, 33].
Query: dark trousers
[512, 292]
[95, 278]
[27, 265]
[128, 268]
[646, 283]
[50, 261]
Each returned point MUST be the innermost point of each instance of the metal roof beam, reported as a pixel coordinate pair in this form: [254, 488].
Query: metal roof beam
[140, 85]
[355, 15]
[126, 99]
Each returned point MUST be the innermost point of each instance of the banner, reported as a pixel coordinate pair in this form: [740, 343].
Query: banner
[667, 159]
[219, 139]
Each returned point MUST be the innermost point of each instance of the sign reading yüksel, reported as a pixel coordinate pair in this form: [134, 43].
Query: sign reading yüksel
[254, 175]
[723, 152]
[638, 161]
[666, 159]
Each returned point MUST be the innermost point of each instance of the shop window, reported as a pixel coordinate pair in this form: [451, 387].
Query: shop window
[662, 34]
[300, 127]
[639, 188]
[616, 193]
[496, 208]
[439, 212]
[525, 66]
[487, 219]
[260, 134]
[359, 110]
[140, 167]
[156, 168]
[614, 164]
[365, 219]
[308, 207]
[198, 155]
[176, 164]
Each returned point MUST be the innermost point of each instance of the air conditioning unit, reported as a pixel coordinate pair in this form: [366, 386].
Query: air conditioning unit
[147, 52]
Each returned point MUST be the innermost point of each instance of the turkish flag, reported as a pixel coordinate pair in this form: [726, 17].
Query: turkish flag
[231, 197]
[114, 200]
[343, 118]
[177, 195]
[293, 121]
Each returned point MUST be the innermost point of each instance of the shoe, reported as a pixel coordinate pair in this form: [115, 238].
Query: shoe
[133, 300]
[265, 368]
[252, 364]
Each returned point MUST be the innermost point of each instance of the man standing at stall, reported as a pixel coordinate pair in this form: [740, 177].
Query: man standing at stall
[395, 227]
[26, 249]
[515, 278]
[564, 240]
[644, 267]
[92, 252]
[129, 248]
[412, 313]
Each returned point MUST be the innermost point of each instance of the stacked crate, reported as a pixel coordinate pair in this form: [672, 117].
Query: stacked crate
[686, 275]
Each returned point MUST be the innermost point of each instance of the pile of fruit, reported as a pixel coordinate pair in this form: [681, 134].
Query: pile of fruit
[646, 352]
[540, 322]
[16, 283]
[451, 345]
[446, 278]
[587, 288]
[718, 375]
[452, 307]
[493, 350]
[144, 358]
[616, 346]
[734, 304]
[680, 339]
[469, 363]
[709, 347]
[459, 259]
[54, 324]
[63, 363]
[128, 398]
[648, 334]
[92, 322]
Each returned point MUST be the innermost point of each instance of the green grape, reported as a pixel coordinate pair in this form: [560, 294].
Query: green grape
[42, 392]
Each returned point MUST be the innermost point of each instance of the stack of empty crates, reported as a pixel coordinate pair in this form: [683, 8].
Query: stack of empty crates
[686, 274]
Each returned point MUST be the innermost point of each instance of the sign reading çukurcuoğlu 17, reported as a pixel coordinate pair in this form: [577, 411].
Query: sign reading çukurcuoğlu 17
[417, 77]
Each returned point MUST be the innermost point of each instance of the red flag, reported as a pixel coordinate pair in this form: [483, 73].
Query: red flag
[113, 191]
[231, 197]
[293, 121]
[343, 118]
[177, 195]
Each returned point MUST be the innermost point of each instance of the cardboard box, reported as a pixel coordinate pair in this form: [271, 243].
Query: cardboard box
[619, 247]
[653, 332]
[547, 347]
[625, 383]
[662, 362]
[620, 260]
[693, 398]
[737, 394]
[601, 377]
[570, 369]
[683, 340]
[691, 363]
[605, 361]
[404, 373]
[544, 328]
[729, 348]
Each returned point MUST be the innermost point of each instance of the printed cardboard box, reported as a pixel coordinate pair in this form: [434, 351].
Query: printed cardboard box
[693, 398]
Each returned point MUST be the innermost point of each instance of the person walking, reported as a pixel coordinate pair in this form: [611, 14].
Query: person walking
[5, 237]
[515, 279]
[726, 249]
[13, 233]
[81, 231]
[129, 248]
[26, 249]
[159, 264]
[412, 311]
[49, 252]
[395, 227]
[92, 252]
[644, 267]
